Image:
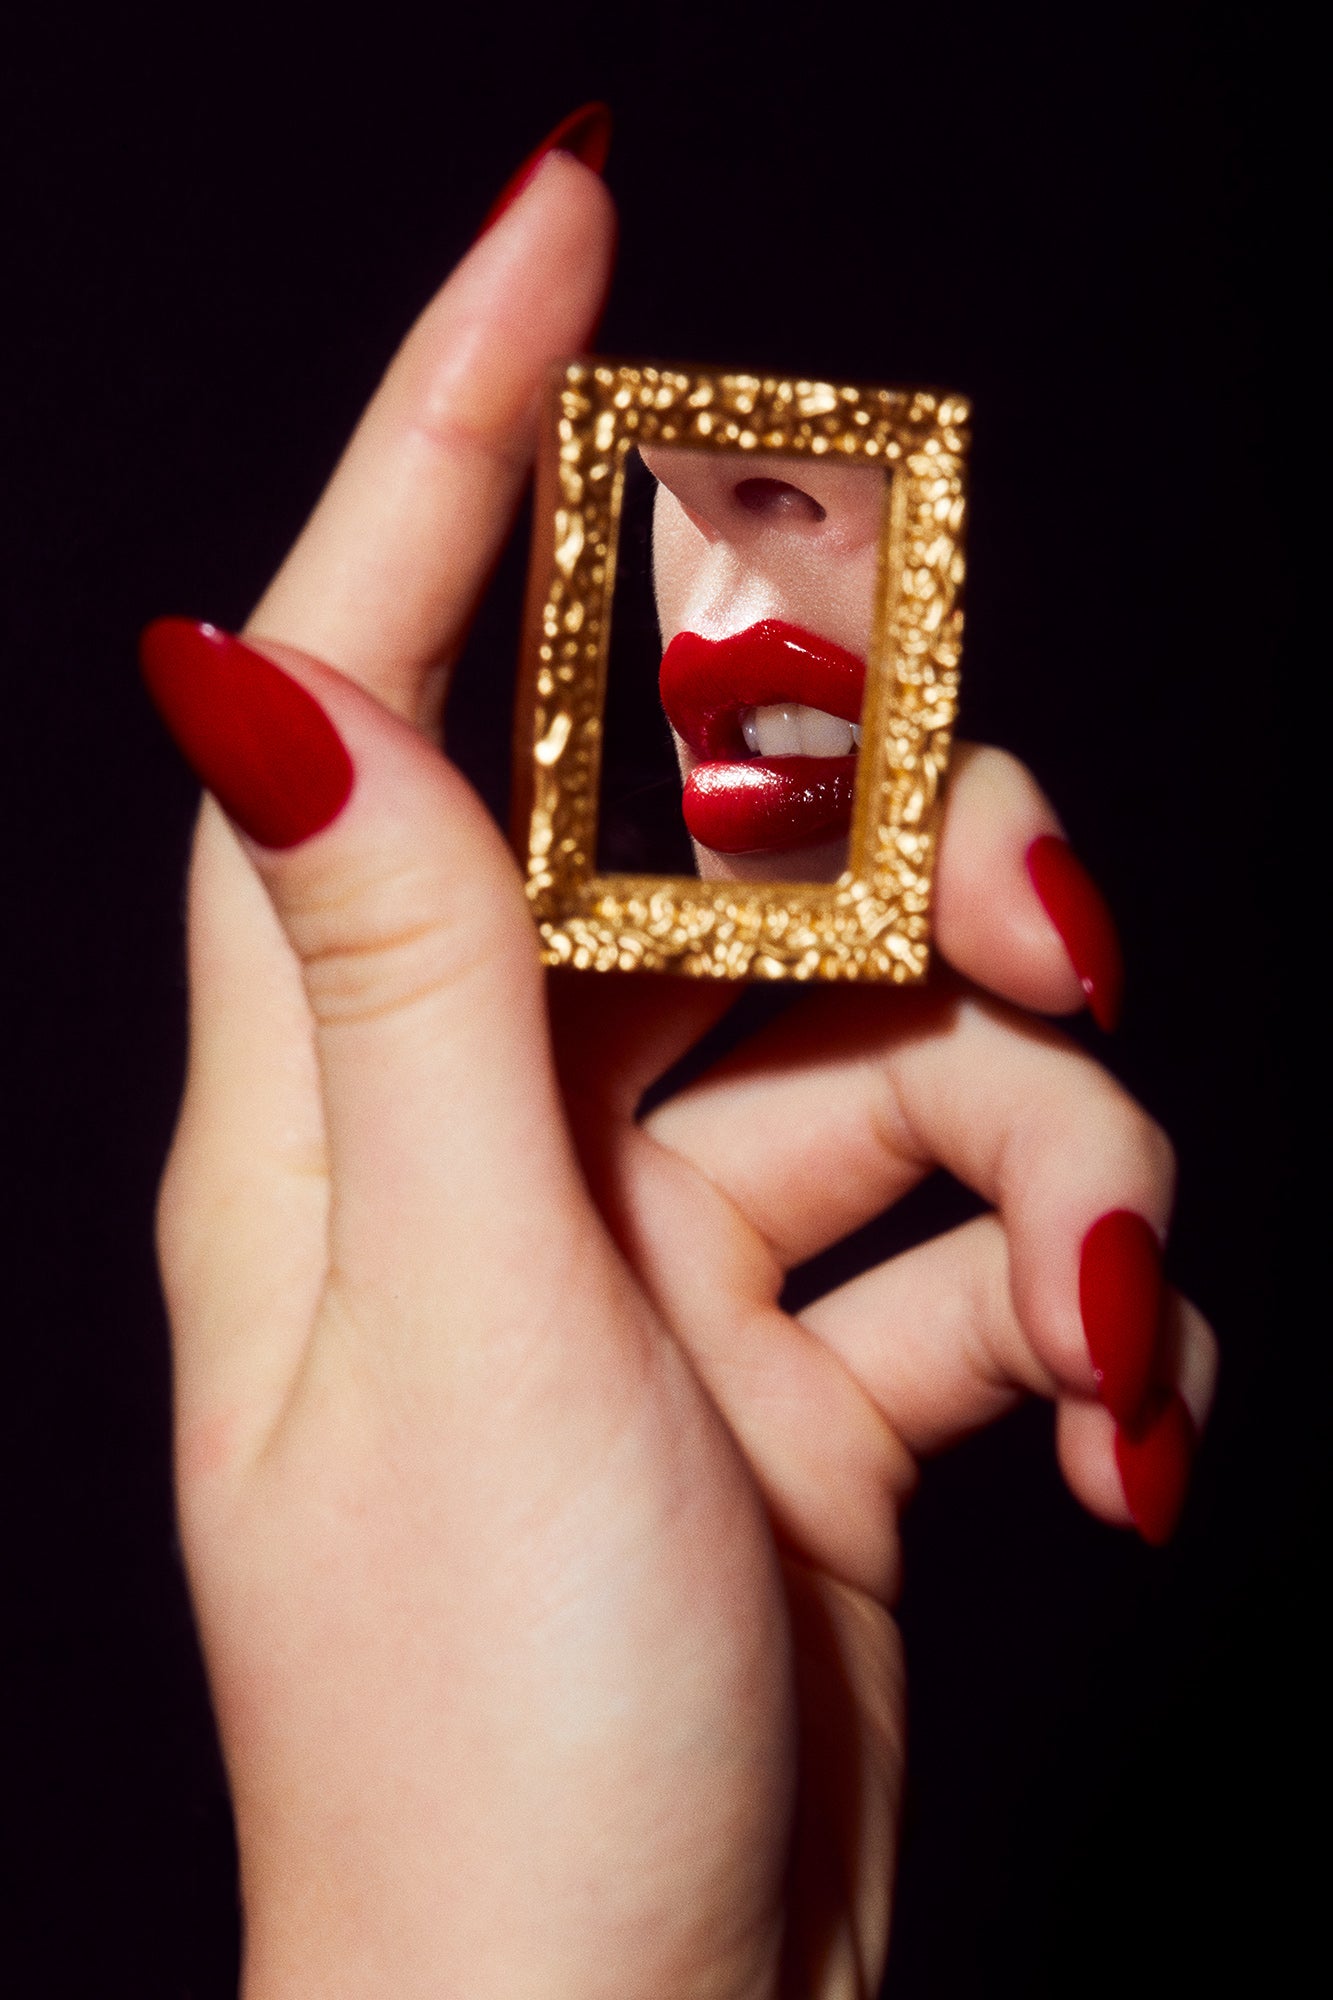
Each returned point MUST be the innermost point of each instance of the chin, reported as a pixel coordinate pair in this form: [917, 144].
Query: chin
[822, 863]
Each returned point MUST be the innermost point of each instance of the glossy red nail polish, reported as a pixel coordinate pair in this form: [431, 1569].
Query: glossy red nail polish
[1077, 908]
[260, 743]
[1120, 1297]
[1154, 1459]
[586, 133]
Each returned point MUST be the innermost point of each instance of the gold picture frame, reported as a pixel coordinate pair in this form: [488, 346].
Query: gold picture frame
[873, 922]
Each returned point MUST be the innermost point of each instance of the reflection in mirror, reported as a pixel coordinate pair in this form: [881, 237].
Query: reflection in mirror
[740, 628]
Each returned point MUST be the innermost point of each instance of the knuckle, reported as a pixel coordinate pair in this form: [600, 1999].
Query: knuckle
[1097, 1119]
[465, 409]
[1135, 1137]
[379, 945]
[1156, 1146]
[447, 434]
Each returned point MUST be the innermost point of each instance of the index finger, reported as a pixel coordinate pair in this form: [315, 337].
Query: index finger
[382, 579]
[379, 586]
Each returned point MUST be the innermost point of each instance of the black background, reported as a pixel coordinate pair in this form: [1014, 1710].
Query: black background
[1083, 217]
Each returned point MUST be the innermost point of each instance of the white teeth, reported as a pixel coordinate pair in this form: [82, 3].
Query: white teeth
[790, 729]
[774, 730]
[824, 735]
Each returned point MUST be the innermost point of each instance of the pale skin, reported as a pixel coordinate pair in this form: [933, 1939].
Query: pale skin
[545, 1570]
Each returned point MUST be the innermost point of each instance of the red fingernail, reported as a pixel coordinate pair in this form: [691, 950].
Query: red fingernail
[1077, 908]
[1120, 1297]
[260, 743]
[586, 133]
[1154, 1457]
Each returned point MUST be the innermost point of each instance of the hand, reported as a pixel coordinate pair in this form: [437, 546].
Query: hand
[544, 1567]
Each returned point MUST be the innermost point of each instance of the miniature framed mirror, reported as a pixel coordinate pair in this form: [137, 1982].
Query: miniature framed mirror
[739, 672]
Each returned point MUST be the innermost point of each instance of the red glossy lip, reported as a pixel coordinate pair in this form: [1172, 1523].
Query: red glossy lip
[768, 804]
[735, 803]
[705, 683]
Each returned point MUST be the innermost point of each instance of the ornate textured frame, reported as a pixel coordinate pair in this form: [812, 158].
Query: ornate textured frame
[872, 923]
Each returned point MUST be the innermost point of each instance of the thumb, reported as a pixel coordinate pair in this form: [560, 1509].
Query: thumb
[418, 954]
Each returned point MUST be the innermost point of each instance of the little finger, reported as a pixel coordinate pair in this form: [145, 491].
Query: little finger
[936, 1342]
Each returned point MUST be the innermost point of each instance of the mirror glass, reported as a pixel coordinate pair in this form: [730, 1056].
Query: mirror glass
[740, 626]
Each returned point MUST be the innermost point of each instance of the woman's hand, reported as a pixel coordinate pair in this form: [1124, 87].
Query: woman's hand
[544, 1566]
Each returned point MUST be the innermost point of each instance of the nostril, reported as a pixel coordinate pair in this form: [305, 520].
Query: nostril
[779, 501]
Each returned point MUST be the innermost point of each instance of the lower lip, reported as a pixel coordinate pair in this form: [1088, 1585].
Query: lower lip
[769, 804]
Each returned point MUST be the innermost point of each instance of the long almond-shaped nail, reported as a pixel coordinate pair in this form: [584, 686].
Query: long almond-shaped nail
[262, 745]
[1077, 908]
[1120, 1298]
[586, 133]
[1154, 1458]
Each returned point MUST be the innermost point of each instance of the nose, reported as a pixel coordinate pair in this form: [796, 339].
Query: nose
[733, 496]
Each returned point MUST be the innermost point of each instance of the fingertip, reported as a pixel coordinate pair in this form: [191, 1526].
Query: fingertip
[527, 295]
[1154, 1457]
[1132, 1475]
[990, 922]
[585, 135]
[1085, 1449]
[1194, 1357]
[1120, 1303]
[1082, 919]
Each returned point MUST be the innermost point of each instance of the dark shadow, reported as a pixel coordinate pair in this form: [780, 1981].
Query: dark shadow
[640, 830]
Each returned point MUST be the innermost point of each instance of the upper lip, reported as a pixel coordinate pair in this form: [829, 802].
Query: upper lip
[705, 684]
